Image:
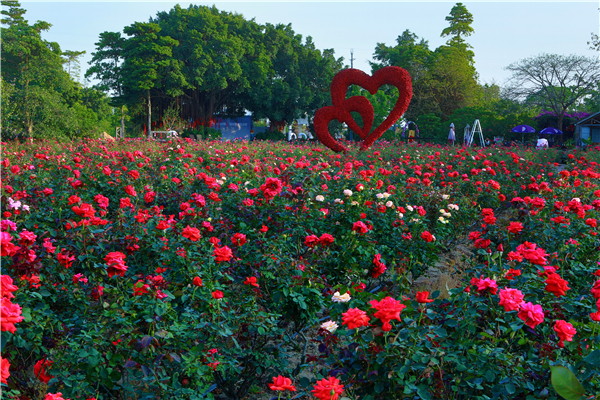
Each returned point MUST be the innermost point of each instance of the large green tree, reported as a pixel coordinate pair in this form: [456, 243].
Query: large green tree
[443, 80]
[298, 80]
[222, 57]
[106, 66]
[149, 66]
[414, 55]
[41, 97]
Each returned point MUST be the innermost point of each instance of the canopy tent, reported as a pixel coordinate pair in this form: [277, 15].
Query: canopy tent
[550, 131]
[523, 129]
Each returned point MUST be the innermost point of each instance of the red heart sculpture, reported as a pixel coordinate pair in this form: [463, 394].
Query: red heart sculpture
[341, 107]
[325, 115]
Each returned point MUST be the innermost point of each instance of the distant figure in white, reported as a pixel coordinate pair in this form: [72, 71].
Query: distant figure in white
[542, 143]
[451, 135]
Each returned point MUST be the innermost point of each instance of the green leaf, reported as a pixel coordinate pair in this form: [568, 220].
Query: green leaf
[26, 314]
[423, 392]
[566, 383]
[593, 358]
[510, 388]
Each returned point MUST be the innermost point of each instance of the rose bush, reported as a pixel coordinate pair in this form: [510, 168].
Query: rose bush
[136, 269]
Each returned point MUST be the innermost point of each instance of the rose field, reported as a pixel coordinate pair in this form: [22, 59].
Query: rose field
[261, 270]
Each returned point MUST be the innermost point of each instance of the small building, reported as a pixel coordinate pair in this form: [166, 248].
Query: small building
[588, 128]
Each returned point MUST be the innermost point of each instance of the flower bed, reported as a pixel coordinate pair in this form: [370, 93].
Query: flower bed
[192, 270]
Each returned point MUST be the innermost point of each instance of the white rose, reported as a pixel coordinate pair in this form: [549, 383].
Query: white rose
[319, 198]
[348, 192]
[337, 298]
[330, 326]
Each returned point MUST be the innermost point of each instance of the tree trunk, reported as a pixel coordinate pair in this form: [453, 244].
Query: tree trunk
[560, 123]
[149, 116]
[123, 122]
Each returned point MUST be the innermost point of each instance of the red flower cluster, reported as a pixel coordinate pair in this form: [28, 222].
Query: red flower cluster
[530, 252]
[116, 264]
[380, 267]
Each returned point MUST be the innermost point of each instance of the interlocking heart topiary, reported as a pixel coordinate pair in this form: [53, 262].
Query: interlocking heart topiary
[342, 107]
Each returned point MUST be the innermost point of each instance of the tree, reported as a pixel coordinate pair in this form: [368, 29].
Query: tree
[452, 79]
[443, 80]
[554, 81]
[460, 25]
[415, 56]
[222, 58]
[147, 59]
[33, 68]
[39, 98]
[14, 14]
[72, 63]
[106, 66]
[297, 82]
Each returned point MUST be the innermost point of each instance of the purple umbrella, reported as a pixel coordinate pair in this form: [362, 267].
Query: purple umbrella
[550, 131]
[523, 129]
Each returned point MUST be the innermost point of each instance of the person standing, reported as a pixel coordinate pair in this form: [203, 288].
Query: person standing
[451, 135]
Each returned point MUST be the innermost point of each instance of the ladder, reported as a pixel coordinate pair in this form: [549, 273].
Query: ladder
[470, 134]
[477, 129]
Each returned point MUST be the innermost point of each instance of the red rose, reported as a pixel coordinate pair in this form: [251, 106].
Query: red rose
[360, 227]
[423, 297]
[387, 309]
[280, 383]
[217, 294]
[428, 237]
[197, 281]
[222, 254]
[7, 287]
[85, 210]
[515, 227]
[355, 318]
[238, 239]
[326, 239]
[116, 264]
[311, 240]
[565, 331]
[40, 370]
[251, 281]
[191, 233]
[556, 285]
[4, 374]
[328, 389]
[10, 314]
[57, 396]
[271, 188]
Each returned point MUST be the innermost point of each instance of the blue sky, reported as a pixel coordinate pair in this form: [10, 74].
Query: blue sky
[505, 32]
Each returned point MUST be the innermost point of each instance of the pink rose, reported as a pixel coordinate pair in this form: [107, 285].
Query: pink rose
[511, 299]
[531, 314]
